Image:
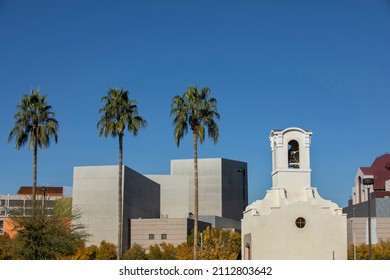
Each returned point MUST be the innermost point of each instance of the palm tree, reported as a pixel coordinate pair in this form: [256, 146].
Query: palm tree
[195, 110]
[118, 113]
[35, 123]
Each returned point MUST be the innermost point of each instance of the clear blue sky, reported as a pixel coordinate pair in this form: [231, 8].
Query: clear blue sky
[319, 65]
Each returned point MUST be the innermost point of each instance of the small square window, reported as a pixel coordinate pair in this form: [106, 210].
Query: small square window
[164, 236]
[151, 236]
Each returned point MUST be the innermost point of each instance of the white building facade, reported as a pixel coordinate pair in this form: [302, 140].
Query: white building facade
[293, 221]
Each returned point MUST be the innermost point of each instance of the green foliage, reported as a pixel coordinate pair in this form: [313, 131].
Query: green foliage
[185, 251]
[382, 251]
[118, 113]
[34, 121]
[46, 238]
[85, 253]
[8, 247]
[162, 251]
[379, 251]
[36, 124]
[220, 244]
[195, 110]
[41, 237]
[136, 252]
[63, 207]
[217, 244]
[106, 251]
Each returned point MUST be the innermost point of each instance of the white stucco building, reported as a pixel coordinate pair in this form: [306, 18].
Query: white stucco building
[293, 221]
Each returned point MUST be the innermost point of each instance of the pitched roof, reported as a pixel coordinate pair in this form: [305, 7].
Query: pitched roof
[380, 169]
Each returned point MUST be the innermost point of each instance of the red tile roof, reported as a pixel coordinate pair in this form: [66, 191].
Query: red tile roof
[380, 169]
[53, 191]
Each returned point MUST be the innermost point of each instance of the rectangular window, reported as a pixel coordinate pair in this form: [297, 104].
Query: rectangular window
[151, 236]
[164, 236]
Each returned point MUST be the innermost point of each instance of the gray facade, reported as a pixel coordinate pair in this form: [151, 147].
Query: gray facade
[146, 232]
[380, 207]
[357, 220]
[95, 193]
[223, 188]
[219, 222]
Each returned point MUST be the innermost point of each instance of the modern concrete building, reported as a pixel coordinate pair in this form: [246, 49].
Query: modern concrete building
[154, 201]
[223, 189]
[95, 193]
[357, 209]
[293, 221]
[148, 232]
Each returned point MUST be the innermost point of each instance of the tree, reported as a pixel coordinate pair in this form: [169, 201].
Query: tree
[85, 253]
[136, 252]
[184, 251]
[195, 110]
[379, 251]
[42, 237]
[220, 244]
[8, 248]
[105, 251]
[118, 113]
[35, 123]
[162, 251]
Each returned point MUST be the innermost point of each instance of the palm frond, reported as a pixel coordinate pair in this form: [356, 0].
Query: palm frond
[118, 113]
[196, 110]
[34, 122]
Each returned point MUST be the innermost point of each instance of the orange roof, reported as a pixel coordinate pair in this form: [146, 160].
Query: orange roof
[380, 169]
[56, 191]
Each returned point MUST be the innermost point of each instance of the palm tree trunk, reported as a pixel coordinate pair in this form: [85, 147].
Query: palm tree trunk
[34, 186]
[119, 252]
[196, 195]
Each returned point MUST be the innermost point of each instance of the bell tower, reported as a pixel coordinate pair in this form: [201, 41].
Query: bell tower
[291, 160]
[292, 221]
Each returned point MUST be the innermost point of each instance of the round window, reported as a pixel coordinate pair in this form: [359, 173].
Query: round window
[300, 222]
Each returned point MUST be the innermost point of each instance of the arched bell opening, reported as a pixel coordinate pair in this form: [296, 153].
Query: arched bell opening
[293, 154]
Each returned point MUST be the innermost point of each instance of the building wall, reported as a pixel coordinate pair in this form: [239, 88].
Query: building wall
[220, 222]
[95, 192]
[173, 231]
[357, 220]
[274, 234]
[210, 184]
[358, 230]
[175, 197]
[222, 190]
[21, 204]
[234, 189]
[270, 228]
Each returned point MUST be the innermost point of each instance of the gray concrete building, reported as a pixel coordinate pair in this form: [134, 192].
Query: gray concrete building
[95, 192]
[223, 188]
[148, 232]
[158, 202]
